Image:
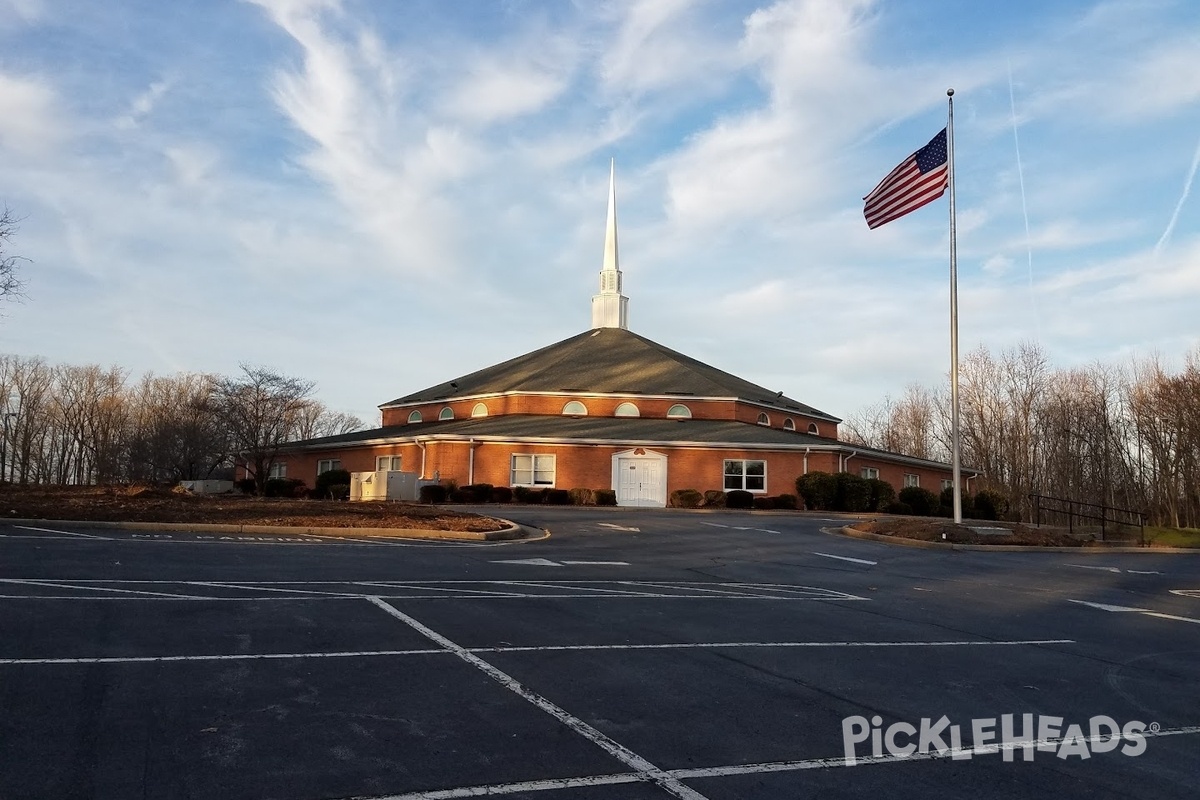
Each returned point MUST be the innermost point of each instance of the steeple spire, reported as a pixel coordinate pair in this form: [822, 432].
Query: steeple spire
[610, 309]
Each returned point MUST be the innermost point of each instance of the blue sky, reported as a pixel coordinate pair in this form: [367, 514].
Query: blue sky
[382, 196]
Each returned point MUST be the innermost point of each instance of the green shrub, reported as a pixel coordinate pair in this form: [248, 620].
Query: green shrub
[246, 485]
[477, 493]
[685, 498]
[923, 502]
[501, 494]
[882, 494]
[557, 497]
[819, 490]
[739, 498]
[968, 504]
[788, 501]
[535, 496]
[990, 505]
[606, 497]
[459, 496]
[764, 503]
[897, 507]
[284, 487]
[433, 493]
[853, 493]
[583, 497]
[714, 498]
[338, 491]
[329, 478]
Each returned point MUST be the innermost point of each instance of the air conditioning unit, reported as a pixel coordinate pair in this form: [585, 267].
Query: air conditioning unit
[385, 484]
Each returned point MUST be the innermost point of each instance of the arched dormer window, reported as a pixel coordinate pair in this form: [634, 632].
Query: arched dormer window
[445, 414]
[812, 428]
[679, 411]
[789, 424]
[414, 416]
[627, 410]
[480, 410]
[574, 409]
[763, 419]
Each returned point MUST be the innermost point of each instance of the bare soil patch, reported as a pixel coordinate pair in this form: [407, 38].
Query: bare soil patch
[931, 530]
[151, 504]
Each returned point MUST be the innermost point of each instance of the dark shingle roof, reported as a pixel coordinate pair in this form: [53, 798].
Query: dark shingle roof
[608, 361]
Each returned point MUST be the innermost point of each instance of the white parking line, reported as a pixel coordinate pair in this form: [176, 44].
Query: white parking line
[1149, 612]
[646, 770]
[1093, 566]
[517, 649]
[65, 533]
[846, 558]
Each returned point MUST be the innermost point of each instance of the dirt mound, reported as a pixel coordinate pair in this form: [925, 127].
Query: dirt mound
[141, 503]
[932, 530]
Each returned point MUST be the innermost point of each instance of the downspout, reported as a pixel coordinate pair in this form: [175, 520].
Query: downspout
[418, 443]
[806, 452]
[471, 463]
[846, 460]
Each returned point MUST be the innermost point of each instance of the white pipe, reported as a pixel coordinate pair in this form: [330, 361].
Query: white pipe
[846, 459]
[471, 464]
[418, 441]
[806, 451]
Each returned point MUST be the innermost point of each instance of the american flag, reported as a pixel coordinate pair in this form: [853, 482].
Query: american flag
[921, 178]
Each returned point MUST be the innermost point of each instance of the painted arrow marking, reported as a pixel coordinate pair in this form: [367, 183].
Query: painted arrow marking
[1093, 566]
[611, 526]
[545, 562]
[846, 558]
[1147, 611]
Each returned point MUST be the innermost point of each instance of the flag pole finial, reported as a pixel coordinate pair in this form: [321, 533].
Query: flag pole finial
[950, 93]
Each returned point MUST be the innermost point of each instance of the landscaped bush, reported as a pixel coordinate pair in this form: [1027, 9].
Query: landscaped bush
[714, 498]
[819, 490]
[787, 501]
[606, 497]
[739, 498]
[557, 497]
[853, 493]
[332, 477]
[583, 497]
[764, 503]
[246, 485]
[897, 507]
[477, 493]
[534, 496]
[685, 498]
[433, 493]
[338, 491]
[923, 502]
[990, 505]
[460, 496]
[947, 501]
[501, 494]
[881, 494]
[285, 487]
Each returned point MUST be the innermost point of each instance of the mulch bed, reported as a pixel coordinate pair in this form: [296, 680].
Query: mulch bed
[152, 504]
[931, 530]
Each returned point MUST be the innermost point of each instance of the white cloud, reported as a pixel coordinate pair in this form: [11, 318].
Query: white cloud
[30, 122]
[997, 265]
[143, 104]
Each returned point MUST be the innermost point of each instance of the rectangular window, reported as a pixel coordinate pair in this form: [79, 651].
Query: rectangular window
[278, 470]
[326, 464]
[870, 473]
[750, 476]
[531, 470]
[387, 462]
[947, 484]
[911, 480]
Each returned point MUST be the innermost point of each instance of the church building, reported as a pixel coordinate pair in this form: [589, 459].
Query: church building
[606, 409]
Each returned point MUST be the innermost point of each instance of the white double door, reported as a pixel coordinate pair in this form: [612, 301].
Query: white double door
[640, 480]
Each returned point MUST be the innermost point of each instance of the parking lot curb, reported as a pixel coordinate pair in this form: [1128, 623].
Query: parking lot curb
[513, 531]
[1005, 548]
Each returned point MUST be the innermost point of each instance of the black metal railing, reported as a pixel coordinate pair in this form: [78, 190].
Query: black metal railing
[1078, 509]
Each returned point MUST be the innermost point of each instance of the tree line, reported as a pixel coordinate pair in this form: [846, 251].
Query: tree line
[65, 424]
[1124, 437]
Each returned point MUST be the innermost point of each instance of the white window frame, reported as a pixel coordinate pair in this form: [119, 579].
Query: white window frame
[479, 410]
[537, 465]
[789, 424]
[764, 419]
[414, 417]
[869, 473]
[327, 464]
[743, 475]
[445, 414]
[912, 479]
[391, 463]
[679, 411]
[813, 429]
[278, 470]
[574, 408]
[627, 410]
[947, 483]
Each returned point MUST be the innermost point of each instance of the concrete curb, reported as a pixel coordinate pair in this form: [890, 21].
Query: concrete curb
[1005, 548]
[513, 531]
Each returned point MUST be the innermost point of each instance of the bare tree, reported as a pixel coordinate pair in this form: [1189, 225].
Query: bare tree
[261, 410]
[10, 283]
[315, 421]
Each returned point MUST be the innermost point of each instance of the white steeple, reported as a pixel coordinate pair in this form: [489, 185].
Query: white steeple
[610, 308]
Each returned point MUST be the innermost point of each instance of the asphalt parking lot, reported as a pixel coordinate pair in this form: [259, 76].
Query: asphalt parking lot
[631, 654]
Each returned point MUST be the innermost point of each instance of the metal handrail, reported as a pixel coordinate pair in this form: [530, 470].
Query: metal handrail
[1081, 509]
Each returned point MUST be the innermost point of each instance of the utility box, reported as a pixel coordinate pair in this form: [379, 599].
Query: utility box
[208, 487]
[385, 484]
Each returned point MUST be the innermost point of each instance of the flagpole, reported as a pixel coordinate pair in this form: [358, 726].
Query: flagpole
[954, 424]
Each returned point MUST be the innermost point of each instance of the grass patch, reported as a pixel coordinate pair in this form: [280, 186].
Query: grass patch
[1173, 537]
